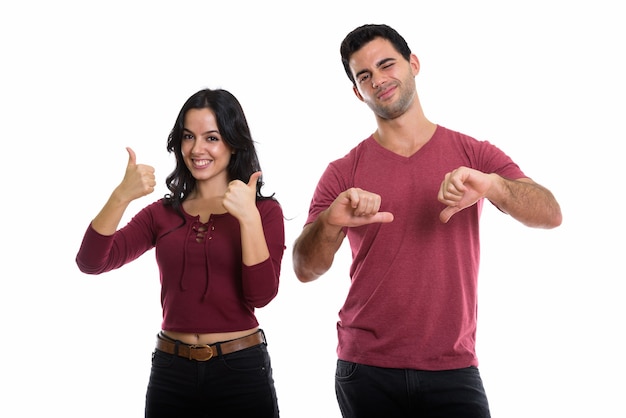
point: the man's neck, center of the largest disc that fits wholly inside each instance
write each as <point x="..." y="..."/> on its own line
<point x="404" y="135"/>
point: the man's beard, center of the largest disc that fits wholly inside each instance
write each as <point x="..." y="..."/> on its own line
<point x="395" y="109"/>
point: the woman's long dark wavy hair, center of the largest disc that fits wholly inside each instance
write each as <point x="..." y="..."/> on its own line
<point x="234" y="129"/>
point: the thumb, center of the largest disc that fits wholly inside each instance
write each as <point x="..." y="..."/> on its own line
<point x="446" y="213"/>
<point x="132" y="158"/>
<point x="254" y="177"/>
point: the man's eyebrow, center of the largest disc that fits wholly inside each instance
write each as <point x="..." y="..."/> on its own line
<point x="378" y="65"/>
<point x="383" y="62"/>
<point x="357" y="75"/>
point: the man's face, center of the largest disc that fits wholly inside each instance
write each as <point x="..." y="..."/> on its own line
<point x="385" y="81"/>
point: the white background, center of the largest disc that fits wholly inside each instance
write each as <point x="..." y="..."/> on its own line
<point x="543" y="80"/>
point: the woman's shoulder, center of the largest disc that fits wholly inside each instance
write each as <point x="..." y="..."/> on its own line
<point x="161" y="208"/>
<point x="268" y="204"/>
<point x="158" y="205"/>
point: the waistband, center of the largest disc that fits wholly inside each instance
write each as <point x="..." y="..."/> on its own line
<point x="204" y="352"/>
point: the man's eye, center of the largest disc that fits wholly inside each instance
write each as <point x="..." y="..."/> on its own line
<point x="364" y="78"/>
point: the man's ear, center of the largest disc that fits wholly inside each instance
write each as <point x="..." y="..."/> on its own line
<point x="356" y="92"/>
<point x="415" y="64"/>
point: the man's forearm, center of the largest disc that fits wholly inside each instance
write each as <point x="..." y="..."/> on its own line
<point x="314" y="250"/>
<point x="529" y="203"/>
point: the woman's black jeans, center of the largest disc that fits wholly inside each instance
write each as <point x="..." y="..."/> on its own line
<point x="238" y="384"/>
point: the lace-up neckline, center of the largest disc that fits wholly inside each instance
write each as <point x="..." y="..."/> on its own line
<point x="200" y="231"/>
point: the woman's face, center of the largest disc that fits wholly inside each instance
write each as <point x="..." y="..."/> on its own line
<point x="204" y="151"/>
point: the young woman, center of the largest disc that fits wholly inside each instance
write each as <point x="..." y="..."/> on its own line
<point x="219" y="244"/>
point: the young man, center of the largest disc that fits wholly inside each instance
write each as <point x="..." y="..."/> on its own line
<point x="409" y="199"/>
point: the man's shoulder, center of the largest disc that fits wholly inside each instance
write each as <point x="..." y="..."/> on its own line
<point x="355" y="151"/>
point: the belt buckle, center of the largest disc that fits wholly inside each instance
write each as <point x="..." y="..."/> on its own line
<point x="198" y="347"/>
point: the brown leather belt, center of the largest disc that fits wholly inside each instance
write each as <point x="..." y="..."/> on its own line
<point x="204" y="352"/>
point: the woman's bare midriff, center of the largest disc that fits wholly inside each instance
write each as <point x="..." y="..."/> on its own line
<point x="211" y="338"/>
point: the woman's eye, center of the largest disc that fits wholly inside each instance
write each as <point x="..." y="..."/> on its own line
<point x="187" y="136"/>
